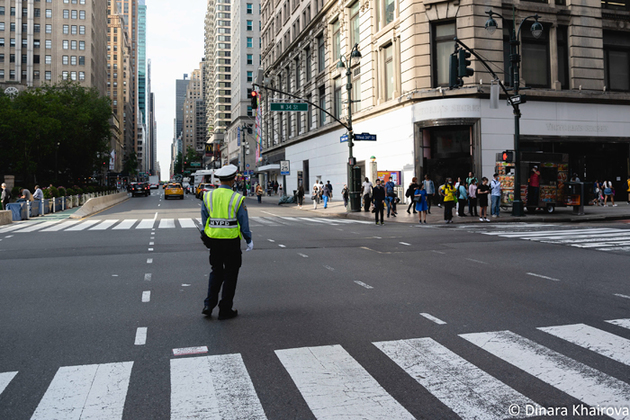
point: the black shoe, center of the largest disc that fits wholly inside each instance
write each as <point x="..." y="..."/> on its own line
<point x="207" y="311"/>
<point x="228" y="314"/>
<point x="408" y="212"/>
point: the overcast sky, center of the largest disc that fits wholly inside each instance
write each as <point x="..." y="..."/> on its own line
<point x="175" y="48"/>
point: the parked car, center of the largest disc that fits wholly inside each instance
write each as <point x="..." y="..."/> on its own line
<point x="203" y="188"/>
<point x="174" y="190"/>
<point x="139" y="188"/>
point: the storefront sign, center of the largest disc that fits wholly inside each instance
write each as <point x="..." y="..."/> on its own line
<point x="285" y="167"/>
<point x="384" y="176"/>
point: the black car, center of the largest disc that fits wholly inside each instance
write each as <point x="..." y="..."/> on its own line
<point x="139" y="188"/>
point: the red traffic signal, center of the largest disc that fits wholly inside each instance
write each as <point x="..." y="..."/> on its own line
<point x="508" y="156"/>
<point x="254" y="96"/>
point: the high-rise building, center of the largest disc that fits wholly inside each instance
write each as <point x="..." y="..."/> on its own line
<point x="194" y="127"/>
<point x="45" y="42"/>
<point x="181" y="85"/>
<point x="142" y="59"/>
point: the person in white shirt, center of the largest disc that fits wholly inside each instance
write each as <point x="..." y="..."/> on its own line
<point x="316" y="192"/>
<point x="366" y="193"/>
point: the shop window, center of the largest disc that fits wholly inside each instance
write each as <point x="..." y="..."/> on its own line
<point x="617" y="60"/>
<point x="443" y="34"/>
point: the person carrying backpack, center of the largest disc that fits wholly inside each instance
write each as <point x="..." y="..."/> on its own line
<point x="410" y="193"/>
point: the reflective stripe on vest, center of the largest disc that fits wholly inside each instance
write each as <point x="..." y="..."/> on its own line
<point x="222" y="205"/>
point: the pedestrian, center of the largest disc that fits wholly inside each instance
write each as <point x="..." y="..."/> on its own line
<point x="533" y="189"/>
<point x="482" y="193"/>
<point x="628" y="182"/>
<point x="366" y="193"/>
<point x="448" y="192"/>
<point x="429" y="187"/>
<point x="330" y="188"/>
<point x="5" y="197"/>
<point x="225" y="220"/>
<point x="25" y="195"/>
<point x="344" y="194"/>
<point x="462" y="199"/>
<point x="378" y="199"/>
<point x="326" y="195"/>
<point x="391" y="196"/>
<point x="39" y="194"/>
<point x="280" y="190"/>
<point x="575" y="178"/>
<point x="413" y="186"/>
<point x="315" y="195"/>
<point x="597" y="193"/>
<point x="470" y="179"/>
<point x="472" y="197"/>
<point x="300" y="196"/>
<point x="609" y="191"/>
<point x="495" y="195"/>
<point x="420" y="200"/>
<point x="259" y="192"/>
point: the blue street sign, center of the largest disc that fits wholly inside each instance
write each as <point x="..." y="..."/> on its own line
<point x="365" y="137"/>
<point x="343" y="138"/>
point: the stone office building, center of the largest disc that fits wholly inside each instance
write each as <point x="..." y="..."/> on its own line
<point x="575" y="75"/>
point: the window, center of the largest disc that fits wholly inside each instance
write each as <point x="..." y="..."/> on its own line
<point x="48" y="75"/>
<point x="384" y="13"/>
<point x="64" y="60"/>
<point x="64" y="75"/>
<point x="322" y="105"/>
<point x="48" y="13"/>
<point x="73" y="60"/>
<point x="250" y="76"/>
<point x="443" y="34"/>
<point x="250" y="9"/>
<point x="36" y="28"/>
<point x="1" y="26"/>
<point x="309" y="63"/>
<point x="336" y="40"/>
<point x="1" y="74"/>
<point x="1" y="10"/>
<point x="73" y="44"/>
<point x="616" y="61"/>
<point x="250" y="42"/>
<point x="354" y="25"/>
<point x="321" y="53"/>
<point x="297" y="72"/>
<point x="356" y="90"/>
<point x="563" y="57"/>
<point x="82" y="60"/>
<point x="535" y="66"/>
<point x="81" y="30"/>
<point x="13" y="11"/>
<point x="388" y="72"/>
<point x="1" y="58"/>
<point x="12" y="42"/>
<point x="73" y="75"/>
<point x="48" y="59"/>
<point x="48" y="44"/>
<point x="337" y="98"/>
<point x="82" y="14"/>
<point x="250" y="59"/>
<point x="74" y="14"/>
<point x="48" y="29"/>
<point x="1" y="42"/>
<point x="66" y="14"/>
<point x="73" y="29"/>
<point x="81" y="45"/>
<point x="66" y="44"/>
<point x="66" y="29"/>
<point x="36" y="43"/>
<point x="37" y="12"/>
<point x="81" y="75"/>
<point x="250" y="25"/>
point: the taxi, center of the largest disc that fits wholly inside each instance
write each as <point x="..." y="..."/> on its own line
<point x="204" y="188"/>
<point x="173" y="190"/>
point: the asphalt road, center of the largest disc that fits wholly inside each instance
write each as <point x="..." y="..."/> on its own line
<point x="337" y="319"/>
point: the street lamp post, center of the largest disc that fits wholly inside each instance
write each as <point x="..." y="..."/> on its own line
<point x="515" y="60"/>
<point x="348" y="63"/>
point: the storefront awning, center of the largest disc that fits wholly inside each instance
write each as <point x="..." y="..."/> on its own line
<point x="269" y="168"/>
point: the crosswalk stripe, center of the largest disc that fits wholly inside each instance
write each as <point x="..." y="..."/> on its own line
<point x="60" y="226"/>
<point x="146" y="224"/>
<point x="166" y="224"/>
<point x="467" y="390"/>
<point x="313" y="219"/>
<point x="32" y="227"/>
<point x="86" y="392"/>
<point x="625" y="323"/>
<point x="106" y="224"/>
<point x="5" y="379"/>
<point x="553" y="232"/>
<point x="599" y="341"/>
<point x="125" y="224"/>
<point x="83" y="226"/>
<point x="186" y="223"/>
<point x="570" y="376"/>
<point x="264" y="221"/>
<point x="602" y="244"/>
<point x="597" y="238"/>
<point x="213" y="387"/>
<point x="334" y="385"/>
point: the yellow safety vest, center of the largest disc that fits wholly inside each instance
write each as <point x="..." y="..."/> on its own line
<point x="222" y="205"/>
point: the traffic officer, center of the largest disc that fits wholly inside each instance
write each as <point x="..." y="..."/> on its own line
<point x="225" y="221"/>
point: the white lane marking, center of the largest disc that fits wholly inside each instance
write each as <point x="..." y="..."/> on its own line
<point x="324" y="221"/>
<point x="432" y="318"/>
<point x="327" y="267"/>
<point x="106" y="224"/>
<point x="477" y="261"/>
<point x="159" y="205"/>
<point x="146" y="296"/>
<point x="186" y="223"/>
<point x="336" y="386"/>
<point x="146" y="224"/>
<point x="8" y="237"/>
<point x="155" y="216"/>
<point x="32" y="227"/>
<point x="150" y="249"/>
<point x="624" y="323"/>
<point x="271" y="240"/>
<point x="404" y="243"/>
<point x="5" y="379"/>
<point x="141" y="336"/>
<point x="151" y="243"/>
<point x="185" y="351"/>
<point x="542" y="277"/>
<point x="282" y="246"/>
<point x="599" y="341"/>
<point x="439" y="252"/>
<point x="570" y="376"/>
<point x="467" y="390"/>
<point x="377" y="237"/>
<point x="147" y="276"/>
<point x="60" y="226"/>
<point x="360" y="283"/>
<point x="622" y="296"/>
<point x="125" y="224"/>
<point x="303" y="255"/>
<point x="114" y="275"/>
<point x="167" y="224"/>
<point x="185" y="285"/>
<point x="82" y="226"/>
<point x="271" y="214"/>
<point x="86" y="392"/>
<point x="213" y="387"/>
<point x="12" y="227"/>
<point x="552" y="232"/>
<point x="149" y="260"/>
<point x="264" y="221"/>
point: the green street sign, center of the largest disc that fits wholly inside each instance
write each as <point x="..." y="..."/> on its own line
<point x="297" y="106"/>
<point x="195" y="164"/>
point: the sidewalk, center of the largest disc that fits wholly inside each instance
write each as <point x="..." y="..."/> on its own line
<point x="561" y="214"/>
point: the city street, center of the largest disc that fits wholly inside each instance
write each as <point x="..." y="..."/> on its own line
<point x="338" y="318"/>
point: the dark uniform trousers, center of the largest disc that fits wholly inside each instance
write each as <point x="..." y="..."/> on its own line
<point x="225" y="261"/>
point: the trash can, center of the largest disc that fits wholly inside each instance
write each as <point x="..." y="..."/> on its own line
<point x="576" y="197"/>
<point x="16" y="211"/>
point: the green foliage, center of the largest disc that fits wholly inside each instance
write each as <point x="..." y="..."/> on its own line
<point x="177" y="168"/>
<point x="62" y="192"/>
<point x="130" y="164"/>
<point x="54" y="192"/>
<point x="58" y="128"/>
<point x="70" y="191"/>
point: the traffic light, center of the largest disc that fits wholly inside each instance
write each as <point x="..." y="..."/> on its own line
<point x="453" y="81"/>
<point x="254" y="96"/>
<point x="463" y="62"/>
<point x="508" y="156"/>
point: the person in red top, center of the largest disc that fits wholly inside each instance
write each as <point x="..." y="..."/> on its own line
<point x="534" y="187"/>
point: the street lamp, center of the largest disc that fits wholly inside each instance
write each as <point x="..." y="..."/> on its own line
<point x="515" y="60"/>
<point x="348" y="63"/>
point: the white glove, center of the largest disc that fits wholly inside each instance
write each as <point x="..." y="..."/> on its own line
<point x="250" y="246"/>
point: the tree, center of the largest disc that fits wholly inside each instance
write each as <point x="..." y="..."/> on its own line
<point x="130" y="165"/>
<point x="177" y="167"/>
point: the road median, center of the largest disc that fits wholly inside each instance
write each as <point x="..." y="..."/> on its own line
<point x="96" y="204"/>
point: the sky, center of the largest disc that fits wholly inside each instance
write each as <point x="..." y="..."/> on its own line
<point x="175" y="48"/>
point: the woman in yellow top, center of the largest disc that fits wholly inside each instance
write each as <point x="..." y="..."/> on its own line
<point x="628" y="190"/>
<point x="448" y="192"/>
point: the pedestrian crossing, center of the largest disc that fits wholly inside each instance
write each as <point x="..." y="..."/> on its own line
<point x="335" y="385"/>
<point x="166" y="223"/>
<point x="599" y="239"/>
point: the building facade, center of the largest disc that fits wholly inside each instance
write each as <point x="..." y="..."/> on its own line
<point x="46" y="42"/>
<point x="194" y="128"/>
<point x="578" y="92"/>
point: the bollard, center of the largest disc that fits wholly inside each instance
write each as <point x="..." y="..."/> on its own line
<point x="28" y="209"/>
<point x="41" y="207"/>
